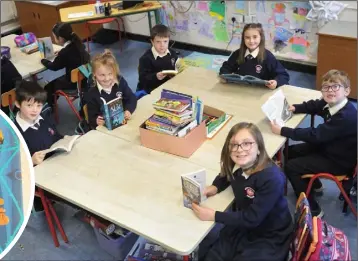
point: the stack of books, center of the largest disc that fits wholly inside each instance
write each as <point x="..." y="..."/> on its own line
<point x="175" y="114"/>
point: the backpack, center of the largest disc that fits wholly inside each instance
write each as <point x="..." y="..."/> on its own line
<point x="332" y="243"/>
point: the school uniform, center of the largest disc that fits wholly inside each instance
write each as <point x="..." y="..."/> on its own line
<point x="150" y="64"/>
<point x="261" y="227"/>
<point x="270" y="69"/>
<point x="96" y="92"/>
<point x="330" y="147"/>
<point x="68" y="58"/>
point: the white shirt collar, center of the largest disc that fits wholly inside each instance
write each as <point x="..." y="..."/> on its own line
<point x="156" y="54"/>
<point x="25" y="125"/>
<point x="335" y="108"/>
<point x="254" y="53"/>
<point x="66" y="43"/>
<point x="100" y="88"/>
<point x="236" y="167"/>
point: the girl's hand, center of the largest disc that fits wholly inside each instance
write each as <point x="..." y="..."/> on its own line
<point x="210" y="191"/>
<point x="272" y="84"/>
<point x="161" y="76"/>
<point x="127" y="115"/>
<point x="203" y="213"/>
<point x="292" y="108"/>
<point x="38" y="157"/>
<point x="100" y="121"/>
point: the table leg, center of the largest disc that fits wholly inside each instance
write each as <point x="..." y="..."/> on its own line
<point x="149" y="22"/>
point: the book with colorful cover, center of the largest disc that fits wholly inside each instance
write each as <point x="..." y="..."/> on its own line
<point x="193" y="185"/>
<point x="172" y="95"/>
<point x="154" y="124"/>
<point x="46" y="48"/>
<point x="171" y="105"/>
<point x="113" y="113"/>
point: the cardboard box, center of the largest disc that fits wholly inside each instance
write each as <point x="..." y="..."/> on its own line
<point x="214" y="112"/>
<point x="184" y="146"/>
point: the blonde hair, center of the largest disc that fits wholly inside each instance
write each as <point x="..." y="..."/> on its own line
<point x="243" y="47"/>
<point x="105" y="59"/>
<point x="337" y="76"/>
<point x="227" y="163"/>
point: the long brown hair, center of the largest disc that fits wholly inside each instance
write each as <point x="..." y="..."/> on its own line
<point x="262" y="160"/>
<point x="243" y="48"/>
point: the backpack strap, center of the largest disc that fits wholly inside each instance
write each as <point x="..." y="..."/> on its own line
<point x="86" y="70"/>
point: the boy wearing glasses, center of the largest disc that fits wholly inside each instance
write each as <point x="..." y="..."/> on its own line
<point x="330" y="147"/>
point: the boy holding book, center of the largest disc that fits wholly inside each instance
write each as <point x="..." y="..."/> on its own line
<point x="331" y="147"/>
<point x="156" y="60"/>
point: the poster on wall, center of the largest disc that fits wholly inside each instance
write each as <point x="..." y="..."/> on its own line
<point x="299" y="13"/>
<point x="217" y="9"/>
<point x="240" y="7"/>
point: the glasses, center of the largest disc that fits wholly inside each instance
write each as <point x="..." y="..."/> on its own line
<point x="245" y="146"/>
<point x="334" y="87"/>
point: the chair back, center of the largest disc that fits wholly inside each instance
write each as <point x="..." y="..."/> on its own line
<point x="8" y="100"/>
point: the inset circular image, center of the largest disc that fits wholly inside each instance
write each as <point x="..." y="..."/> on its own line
<point x="17" y="184"/>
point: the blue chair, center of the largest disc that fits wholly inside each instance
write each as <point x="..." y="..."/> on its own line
<point x="140" y="94"/>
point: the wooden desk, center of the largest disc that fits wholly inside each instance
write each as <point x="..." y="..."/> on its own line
<point x="27" y="64"/>
<point x="244" y="103"/>
<point x="337" y="49"/>
<point x="131" y="186"/>
<point x="147" y="7"/>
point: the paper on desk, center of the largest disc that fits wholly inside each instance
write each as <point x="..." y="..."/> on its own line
<point x="276" y="108"/>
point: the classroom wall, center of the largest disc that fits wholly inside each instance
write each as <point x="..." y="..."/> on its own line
<point x="8" y="16"/>
<point x="201" y="27"/>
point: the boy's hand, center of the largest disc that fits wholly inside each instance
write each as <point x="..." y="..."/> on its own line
<point x="275" y="128"/>
<point x="292" y="108"/>
<point x="38" y="157"/>
<point x="160" y="76"/>
<point x="127" y="115"/>
<point x="272" y="84"/>
<point x="203" y="213"/>
<point x="210" y="191"/>
<point x="100" y="121"/>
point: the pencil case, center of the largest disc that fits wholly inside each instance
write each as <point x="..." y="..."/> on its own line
<point x="5" y="52"/>
<point x="25" y="39"/>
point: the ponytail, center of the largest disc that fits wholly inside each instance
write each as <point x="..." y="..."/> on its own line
<point x="85" y="57"/>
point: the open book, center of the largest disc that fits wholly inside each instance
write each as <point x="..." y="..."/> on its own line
<point x="247" y="79"/>
<point x="46" y="48"/>
<point x="276" y="108"/>
<point x="193" y="185"/>
<point x="64" y="144"/>
<point x="113" y="113"/>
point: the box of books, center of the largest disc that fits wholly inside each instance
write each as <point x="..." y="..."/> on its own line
<point x="182" y="146"/>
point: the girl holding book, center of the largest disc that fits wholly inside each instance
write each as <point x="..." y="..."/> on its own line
<point x="254" y="59"/>
<point x="71" y="56"/>
<point x="261" y="226"/>
<point x="107" y="84"/>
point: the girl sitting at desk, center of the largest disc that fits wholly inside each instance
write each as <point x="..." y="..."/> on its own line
<point x="261" y="226"/>
<point x="253" y="59"/>
<point x="71" y="56"/>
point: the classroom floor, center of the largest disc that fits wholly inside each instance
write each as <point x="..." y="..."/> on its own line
<point x="36" y="242"/>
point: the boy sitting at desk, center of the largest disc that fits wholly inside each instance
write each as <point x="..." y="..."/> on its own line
<point x="331" y="147"/>
<point x="39" y="133"/>
<point x="156" y="60"/>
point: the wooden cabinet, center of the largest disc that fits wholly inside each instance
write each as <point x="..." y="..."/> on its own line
<point x="337" y="49"/>
<point x="39" y="17"/>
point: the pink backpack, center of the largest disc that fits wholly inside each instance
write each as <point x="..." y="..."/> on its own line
<point x="332" y="244"/>
<point x="25" y="39"/>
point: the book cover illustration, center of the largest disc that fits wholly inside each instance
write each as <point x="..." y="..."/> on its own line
<point x="193" y="185"/>
<point x="46" y="48"/>
<point x="276" y="108"/>
<point x="172" y="95"/>
<point x="171" y="105"/>
<point x="113" y="113"/>
<point x="243" y="79"/>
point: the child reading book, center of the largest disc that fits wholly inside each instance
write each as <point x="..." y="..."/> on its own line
<point x="253" y="59"/>
<point x="159" y="63"/>
<point x="72" y="55"/>
<point x="107" y="84"/>
<point x="261" y="226"/>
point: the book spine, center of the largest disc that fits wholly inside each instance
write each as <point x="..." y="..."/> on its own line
<point x="107" y="117"/>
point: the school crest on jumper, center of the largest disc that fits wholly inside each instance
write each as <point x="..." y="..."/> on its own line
<point x="51" y="131"/>
<point x="258" y="68"/>
<point x="173" y="61"/>
<point x="119" y="94"/>
<point x="250" y="192"/>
